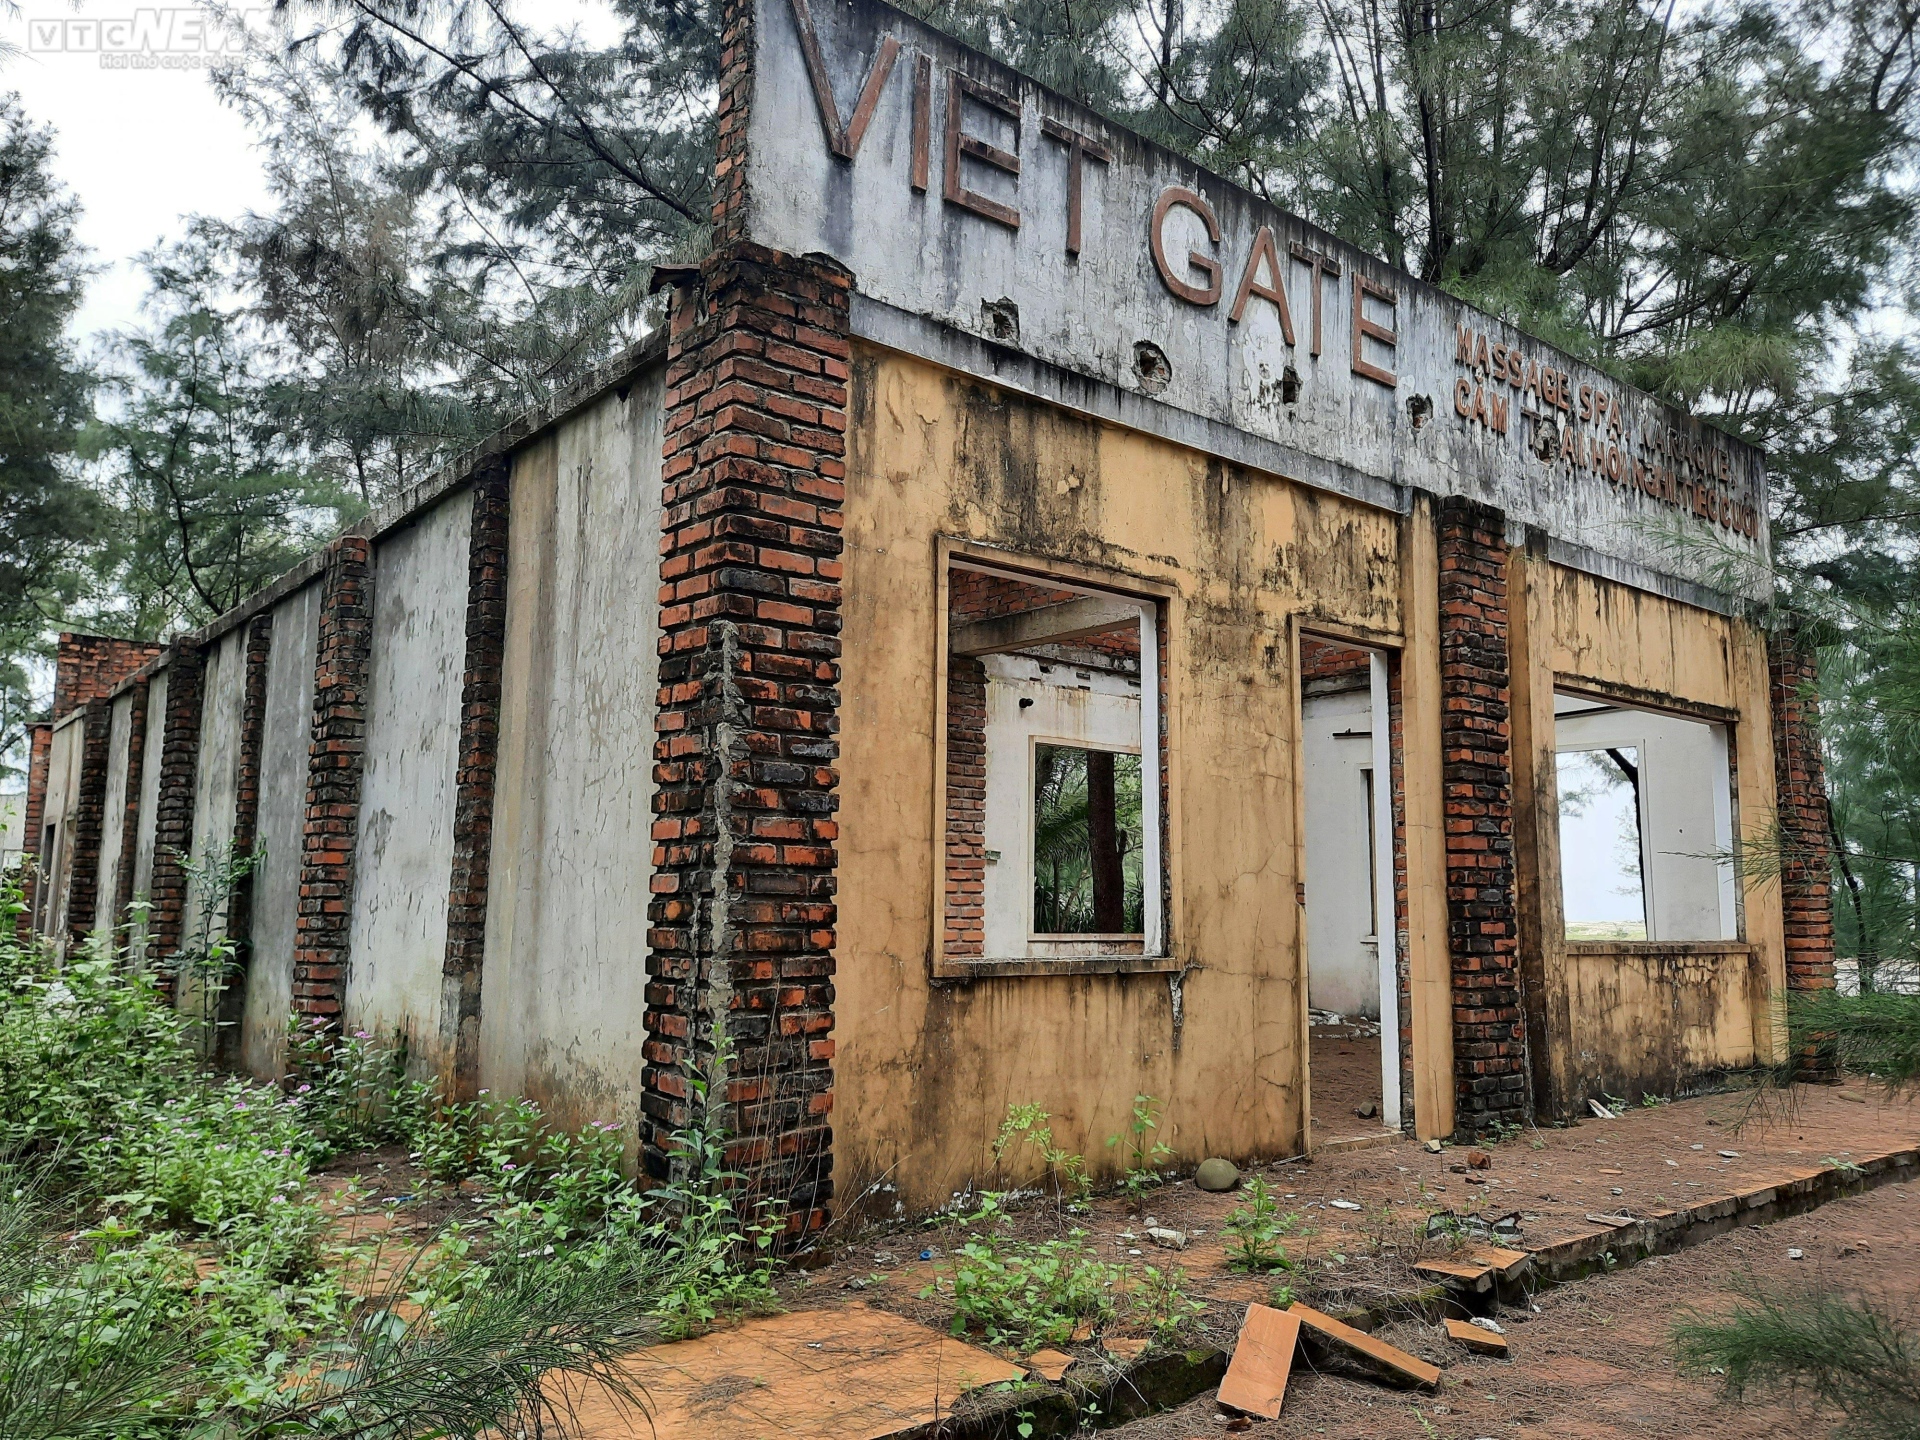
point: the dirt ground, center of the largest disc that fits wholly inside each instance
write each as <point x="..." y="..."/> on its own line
<point x="1346" y="1080"/>
<point x="1595" y="1363"/>
<point x="1362" y="1214"/>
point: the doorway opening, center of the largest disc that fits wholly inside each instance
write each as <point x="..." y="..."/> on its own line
<point x="1352" y="962"/>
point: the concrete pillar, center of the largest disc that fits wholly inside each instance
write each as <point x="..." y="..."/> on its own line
<point x="246" y="831"/>
<point x="129" y="801"/>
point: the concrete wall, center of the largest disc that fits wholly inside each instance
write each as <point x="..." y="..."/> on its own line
<point x="217" y="773"/>
<point x="925" y="1073"/>
<point x="399" y="930"/>
<point x="63" y="791"/>
<point x="283" y="794"/>
<point x="149" y="806"/>
<point x="1663" y="1019"/>
<point x="565" y="969"/>
<point x="113" y="848"/>
<point x="1343" y="965"/>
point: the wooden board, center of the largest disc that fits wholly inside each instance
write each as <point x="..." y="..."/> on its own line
<point x="1049" y="1364"/>
<point x="1481" y="1342"/>
<point x="1256" y="1381"/>
<point x="1389" y="1357"/>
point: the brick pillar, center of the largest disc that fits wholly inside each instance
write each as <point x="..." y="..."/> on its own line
<point x="966" y="839"/>
<point x="173" y="809"/>
<point x="89" y="820"/>
<point x="246" y="832"/>
<point x="474" y="781"/>
<point x="336" y="762"/>
<point x="1489" y="1025"/>
<point x="39" y="755"/>
<point x="129" y="801"/>
<point x="742" y="918"/>
<point x="89" y="666"/>
<point x="1800" y="793"/>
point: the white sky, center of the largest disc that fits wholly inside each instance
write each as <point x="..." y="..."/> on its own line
<point x="140" y="148"/>
<point x="144" y="147"/>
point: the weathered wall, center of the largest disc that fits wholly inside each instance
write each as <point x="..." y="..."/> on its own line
<point x="398" y="938"/>
<point x="143" y="838"/>
<point x="114" y="817"/>
<point x="63" y="790"/>
<point x="1633" y="646"/>
<point x="217" y="776"/>
<point x="1343" y="967"/>
<point x="283" y="797"/>
<point x="1662" y="1019"/>
<point x="565" y="970"/>
<point x="925" y="1073"/>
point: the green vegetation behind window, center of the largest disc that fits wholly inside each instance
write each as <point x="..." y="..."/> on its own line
<point x="1086" y="842"/>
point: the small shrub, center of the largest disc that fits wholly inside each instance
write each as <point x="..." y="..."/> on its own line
<point x="1145" y="1156"/>
<point x="354" y="1088"/>
<point x="1257" y="1228"/>
<point x="1158" y="1299"/>
<point x="1027" y="1293"/>
<point x="1031" y="1126"/>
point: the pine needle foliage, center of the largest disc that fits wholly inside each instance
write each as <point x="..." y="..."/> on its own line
<point x="1849" y="1354"/>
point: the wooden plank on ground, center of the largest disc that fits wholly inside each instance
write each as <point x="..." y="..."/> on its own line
<point x="1391" y="1358"/>
<point x="1256" y="1381"/>
<point x="1481" y="1342"/>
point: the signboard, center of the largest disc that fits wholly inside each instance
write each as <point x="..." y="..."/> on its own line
<point x="962" y="194"/>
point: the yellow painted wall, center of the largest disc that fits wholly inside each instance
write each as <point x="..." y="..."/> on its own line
<point x="925" y="1072"/>
<point x="1641" y="646"/>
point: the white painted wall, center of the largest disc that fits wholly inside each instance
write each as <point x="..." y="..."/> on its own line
<point x="1686" y="819"/>
<point x="398" y="937"/>
<point x="56" y="864"/>
<point x="285" y="732"/>
<point x="1070" y="706"/>
<point x="113" y="826"/>
<point x="1342" y="957"/>
<point x="564" y="978"/>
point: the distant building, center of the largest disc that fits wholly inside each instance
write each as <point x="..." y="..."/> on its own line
<point x="1044" y="625"/>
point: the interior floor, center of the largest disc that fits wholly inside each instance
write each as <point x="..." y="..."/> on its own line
<point x="1345" y="1080"/>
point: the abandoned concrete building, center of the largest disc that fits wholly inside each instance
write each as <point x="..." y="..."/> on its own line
<point x="1038" y="624"/>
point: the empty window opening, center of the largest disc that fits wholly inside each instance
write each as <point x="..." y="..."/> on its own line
<point x="1053" y="770"/>
<point x="1353" y="982"/>
<point x="1086" y="842"/>
<point x="1646" y="824"/>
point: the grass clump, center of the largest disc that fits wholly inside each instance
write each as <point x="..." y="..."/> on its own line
<point x="1257" y="1228"/>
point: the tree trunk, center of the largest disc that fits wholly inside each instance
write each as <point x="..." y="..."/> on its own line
<point x="1103" y="839"/>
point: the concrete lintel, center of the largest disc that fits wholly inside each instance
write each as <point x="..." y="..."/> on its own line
<point x="1048" y="625"/>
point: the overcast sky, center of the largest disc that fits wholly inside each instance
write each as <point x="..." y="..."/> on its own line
<point x="145" y="143"/>
<point x="140" y="147"/>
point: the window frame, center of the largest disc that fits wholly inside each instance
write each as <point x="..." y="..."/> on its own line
<point x="1157" y="601"/>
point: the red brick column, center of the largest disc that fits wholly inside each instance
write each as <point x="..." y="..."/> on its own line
<point x="89" y="820"/>
<point x="1489" y="1023"/>
<point x="89" y="666"/>
<point x="130" y="800"/>
<point x="742" y="918"/>
<point x="474" y="781"/>
<point x="173" y="809"/>
<point x="966" y="838"/>
<point x="336" y="762"/>
<point x="39" y="755"/>
<point x="1800" y="793"/>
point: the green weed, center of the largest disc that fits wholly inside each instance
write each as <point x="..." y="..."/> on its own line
<point x="1146" y="1152"/>
<point x="1031" y="1126"/>
<point x="1257" y="1227"/>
